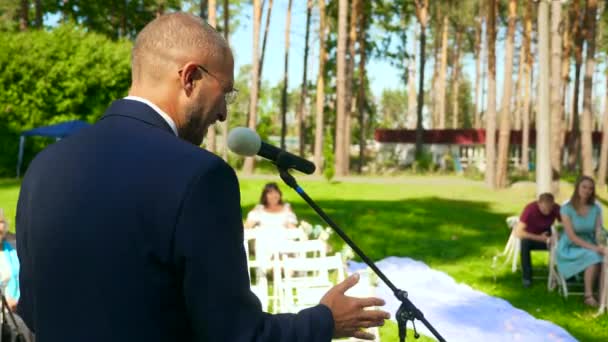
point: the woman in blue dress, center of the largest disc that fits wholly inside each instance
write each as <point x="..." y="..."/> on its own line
<point x="577" y="249"/>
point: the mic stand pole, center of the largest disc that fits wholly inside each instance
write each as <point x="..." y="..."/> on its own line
<point x="407" y="311"/>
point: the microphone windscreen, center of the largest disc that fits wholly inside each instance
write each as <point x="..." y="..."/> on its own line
<point x="244" y="141"/>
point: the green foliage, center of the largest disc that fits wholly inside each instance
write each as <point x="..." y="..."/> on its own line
<point x="328" y="155"/>
<point x="448" y="162"/>
<point x="392" y="19"/>
<point x="466" y="107"/>
<point x="8" y="14"/>
<point x="473" y="173"/>
<point x="424" y="163"/>
<point x="393" y="108"/>
<point x="113" y="18"/>
<point x="53" y="76"/>
<point x="603" y="32"/>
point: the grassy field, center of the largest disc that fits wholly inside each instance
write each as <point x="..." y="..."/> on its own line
<point x="452" y="224"/>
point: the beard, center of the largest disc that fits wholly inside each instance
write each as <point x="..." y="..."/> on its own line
<point x="193" y="130"/>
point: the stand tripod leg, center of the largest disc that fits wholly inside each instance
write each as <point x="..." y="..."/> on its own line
<point x="402" y="332"/>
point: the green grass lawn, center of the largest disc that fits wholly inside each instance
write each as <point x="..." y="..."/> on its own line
<point x="452" y="224"/>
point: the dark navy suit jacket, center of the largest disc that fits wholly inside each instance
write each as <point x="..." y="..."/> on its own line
<point x="127" y="233"/>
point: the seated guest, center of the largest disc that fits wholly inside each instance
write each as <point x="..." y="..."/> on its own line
<point x="271" y="212"/>
<point x="9" y="266"/>
<point x="577" y="249"/>
<point x="534" y="229"/>
<point x="274" y="219"/>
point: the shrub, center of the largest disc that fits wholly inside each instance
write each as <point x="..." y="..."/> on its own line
<point x="53" y="76"/>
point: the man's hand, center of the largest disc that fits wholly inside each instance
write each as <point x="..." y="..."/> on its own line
<point x="349" y="313"/>
<point x="546" y="238"/>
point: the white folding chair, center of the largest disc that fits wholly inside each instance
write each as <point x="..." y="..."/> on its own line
<point x="512" y="248"/>
<point x="260" y="286"/>
<point x="555" y="278"/>
<point x="308" y="279"/>
<point x="604" y="290"/>
<point x="292" y="249"/>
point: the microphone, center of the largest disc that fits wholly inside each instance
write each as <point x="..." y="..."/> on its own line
<point x="246" y="142"/>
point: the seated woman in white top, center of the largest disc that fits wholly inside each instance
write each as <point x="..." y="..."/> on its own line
<point x="271" y="212"/>
<point x="274" y="223"/>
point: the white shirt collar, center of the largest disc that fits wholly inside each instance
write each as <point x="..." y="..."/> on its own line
<point x="158" y="110"/>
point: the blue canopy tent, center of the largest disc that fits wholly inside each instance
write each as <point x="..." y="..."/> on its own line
<point x="57" y="131"/>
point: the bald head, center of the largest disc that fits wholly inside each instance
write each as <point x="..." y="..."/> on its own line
<point x="184" y="67"/>
<point x="170" y="40"/>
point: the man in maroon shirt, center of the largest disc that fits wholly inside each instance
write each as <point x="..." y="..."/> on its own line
<point x="534" y="229"/>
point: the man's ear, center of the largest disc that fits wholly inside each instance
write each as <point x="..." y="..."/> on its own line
<point x="188" y="77"/>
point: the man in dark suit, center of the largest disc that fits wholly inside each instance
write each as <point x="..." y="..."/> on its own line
<point x="128" y="231"/>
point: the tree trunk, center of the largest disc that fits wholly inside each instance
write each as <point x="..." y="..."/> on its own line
<point x="361" y="97"/>
<point x="543" y="122"/>
<point x="411" y="93"/>
<point x="587" y="119"/>
<point x="212" y="20"/>
<point x="435" y="80"/>
<point x="203" y="8"/>
<point x="341" y="88"/>
<point x="267" y="25"/>
<point x="304" y="90"/>
<point x="350" y="72"/>
<point x="123" y="21"/>
<point x="442" y="73"/>
<point x="577" y="34"/>
<point x="478" y="58"/>
<point x="226" y="20"/>
<point x="285" y="78"/>
<point x="490" y="175"/>
<point x="502" y="168"/>
<point x="253" y="96"/>
<point x="347" y="135"/>
<point x="456" y="78"/>
<point x="422" y="7"/>
<point x="601" y="177"/>
<point x="518" y="87"/>
<point x="483" y="107"/>
<point x="24" y="15"/>
<point x="565" y="74"/>
<point x="225" y="124"/>
<point x="574" y="142"/>
<point x="556" y="92"/>
<point x="318" y="158"/>
<point x="39" y="13"/>
<point x="527" y="83"/>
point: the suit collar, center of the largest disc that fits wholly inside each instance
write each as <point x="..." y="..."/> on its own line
<point x="138" y="111"/>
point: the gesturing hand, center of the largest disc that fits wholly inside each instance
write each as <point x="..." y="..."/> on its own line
<point x="349" y="313"/>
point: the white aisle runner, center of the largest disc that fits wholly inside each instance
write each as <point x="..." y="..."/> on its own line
<point x="457" y="311"/>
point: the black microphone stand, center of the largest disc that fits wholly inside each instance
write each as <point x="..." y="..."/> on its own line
<point x="407" y="311"/>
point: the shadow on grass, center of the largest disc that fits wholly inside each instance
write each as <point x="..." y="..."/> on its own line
<point x="429" y="229"/>
<point x="460" y="238"/>
<point x="7" y="183"/>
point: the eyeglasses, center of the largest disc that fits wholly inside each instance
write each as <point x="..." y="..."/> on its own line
<point x="230" y="96"/>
